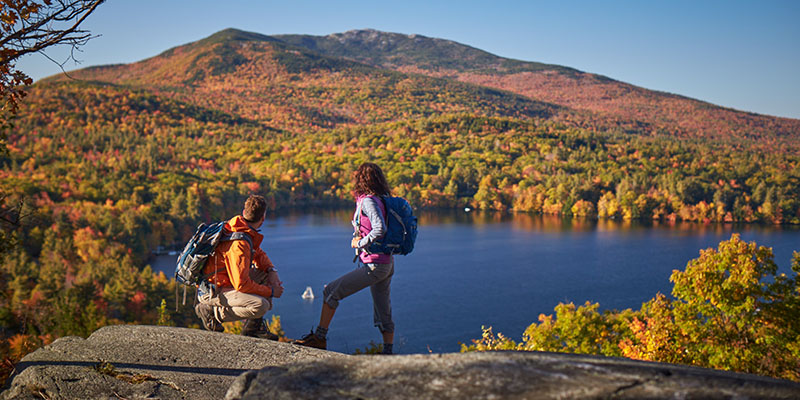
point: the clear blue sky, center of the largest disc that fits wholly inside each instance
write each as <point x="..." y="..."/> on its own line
<point x="739" y="54"/>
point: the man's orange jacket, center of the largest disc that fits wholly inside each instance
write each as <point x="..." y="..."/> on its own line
<point x="230" y="264"/>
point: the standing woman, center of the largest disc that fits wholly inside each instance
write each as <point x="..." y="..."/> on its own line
<point x="373" y="270"/>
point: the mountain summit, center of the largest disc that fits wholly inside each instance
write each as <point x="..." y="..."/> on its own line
<point x="395" y="50"/>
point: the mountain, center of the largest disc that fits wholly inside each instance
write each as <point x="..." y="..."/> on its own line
<point x="277" y="84"/>
<point x="612" y="102"/>
<point x="297" y="82"/>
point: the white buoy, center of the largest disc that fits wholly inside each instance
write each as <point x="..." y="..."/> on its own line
<point x="467" y="209"/>
<point x="308" y="294"/>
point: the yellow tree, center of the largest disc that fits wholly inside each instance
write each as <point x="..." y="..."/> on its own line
<point x="28" y="26"/>
<point x="732" y="311"/>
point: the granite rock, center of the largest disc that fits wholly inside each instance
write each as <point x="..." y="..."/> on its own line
<point x="500" y="375"/>
<point x="135" y="361"/>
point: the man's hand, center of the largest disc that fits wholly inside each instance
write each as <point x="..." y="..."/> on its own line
<point x="354" y="242"/>
<point x="277" y="291"/>
<point x="272" y="277"/>
<point x="275" y="283"/>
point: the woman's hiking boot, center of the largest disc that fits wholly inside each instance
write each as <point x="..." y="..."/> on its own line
<point x="206" y="314"/>
<point x="312" y="340"/>
<point x="257" y="328"/>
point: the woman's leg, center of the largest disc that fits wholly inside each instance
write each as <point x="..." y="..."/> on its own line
<point x="382" y="303"/>
<point x="335" y="291"/>
<point x="326" y="315"/>
<point x="388" y="337"/>
<point x="347" y="284"/>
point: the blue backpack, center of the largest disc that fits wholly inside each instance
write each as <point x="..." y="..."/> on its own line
<point x="194" y="257"/>
<point x="200" y="248"/>
<point x="401" y="227"/>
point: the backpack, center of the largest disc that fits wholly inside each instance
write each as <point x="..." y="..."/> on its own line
<point x="401" y="227"/>
<point x="194" y="257"/>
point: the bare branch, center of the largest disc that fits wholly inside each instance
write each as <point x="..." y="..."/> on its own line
<point x="61" y="64"/>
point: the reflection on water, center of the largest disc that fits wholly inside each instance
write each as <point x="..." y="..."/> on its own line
<point x="470" y="269"/>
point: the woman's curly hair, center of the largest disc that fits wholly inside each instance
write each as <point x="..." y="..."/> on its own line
<point x="370" y="180"/>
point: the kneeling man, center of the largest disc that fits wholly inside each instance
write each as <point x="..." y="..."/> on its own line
<point x="244" y="278"/>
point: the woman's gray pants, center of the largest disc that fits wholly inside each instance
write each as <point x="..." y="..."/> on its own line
<point x="379" y="278"/>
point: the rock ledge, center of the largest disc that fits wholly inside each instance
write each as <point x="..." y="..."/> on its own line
<point x="136" y="361"/>
<point x="501" y="375"/>
<point x="133" y="362"/>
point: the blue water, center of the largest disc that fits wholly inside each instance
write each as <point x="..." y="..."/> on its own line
<point x="473" y="269"/>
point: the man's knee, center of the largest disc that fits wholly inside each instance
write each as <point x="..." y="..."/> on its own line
<point x="262" y="308"/>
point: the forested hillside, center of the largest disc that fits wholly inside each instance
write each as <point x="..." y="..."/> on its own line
<point x="111" y="163"/>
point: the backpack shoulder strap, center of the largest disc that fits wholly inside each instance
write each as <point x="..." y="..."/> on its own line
<point x="375" y="199"/>
<point x="240" y="236"/>
<point x="385" y="205"/>
<point x="359" y="211"/>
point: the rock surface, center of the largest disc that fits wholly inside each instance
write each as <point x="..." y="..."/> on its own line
<point x="135" y="362"/>
<point x="148" y="362"/>
<point x="500" y="375"/>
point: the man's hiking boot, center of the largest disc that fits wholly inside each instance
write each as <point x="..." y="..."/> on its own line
<point x="206" y="314"/>
<point x="256" y="327"/>
<point x="312" y="340"/>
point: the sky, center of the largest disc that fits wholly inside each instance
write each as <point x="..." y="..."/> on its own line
<point x="739" y="54"/>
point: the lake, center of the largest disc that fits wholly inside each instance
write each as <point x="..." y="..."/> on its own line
<point x="480" y="268"/>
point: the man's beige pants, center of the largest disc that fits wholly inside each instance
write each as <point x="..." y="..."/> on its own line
<point x="231" y="305"/>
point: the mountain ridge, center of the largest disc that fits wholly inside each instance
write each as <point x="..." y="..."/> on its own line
<point x="564" y="86"/>
<point x="313" y="43"/>
<point x="361" y="41"/>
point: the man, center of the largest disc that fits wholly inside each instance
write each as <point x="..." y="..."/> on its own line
<point x="244" y="277"/>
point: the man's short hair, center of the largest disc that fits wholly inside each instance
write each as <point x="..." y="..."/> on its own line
<point x="254" y="208"/>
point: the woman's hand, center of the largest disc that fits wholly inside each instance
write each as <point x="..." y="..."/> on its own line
<point x="354" y="242"/>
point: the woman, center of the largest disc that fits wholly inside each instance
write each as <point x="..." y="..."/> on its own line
<point x="373" y="270"/>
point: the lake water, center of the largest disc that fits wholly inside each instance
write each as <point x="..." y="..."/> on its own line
<point x="474" y="269"/>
